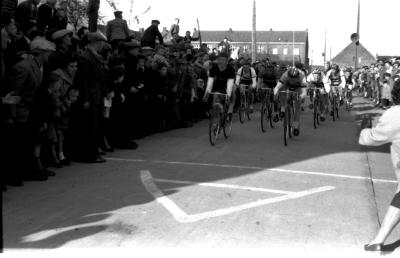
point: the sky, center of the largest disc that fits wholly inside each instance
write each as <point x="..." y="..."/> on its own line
<point x="378" y="32"/>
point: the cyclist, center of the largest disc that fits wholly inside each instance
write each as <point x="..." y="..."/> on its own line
<point x="246" y="76"/>
<point x="221" y="80"/>
<point x="335" y="78"/>
<point x="350" y="82"/>
<point x="294" y="80"/>
<point x="268" y="78"/>
<point x="315" y="79"/>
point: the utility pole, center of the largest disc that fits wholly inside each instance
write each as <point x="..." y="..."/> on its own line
<point x="253" y="34"/>
<point x="293" y="48"/>
<point x="325" y="49"/>
<point x="358" y="33"/>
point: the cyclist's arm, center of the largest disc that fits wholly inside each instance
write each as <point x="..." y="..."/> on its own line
<point x="229" y="87"/>
<point x="278" y="87"/>
<point x="253" y="77"/>
<point x="210" y="83"/>
<point x="238" y="76"/>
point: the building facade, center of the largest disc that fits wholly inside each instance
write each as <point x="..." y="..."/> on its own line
<point x="347" y="57"/>
<point x="8" y="7"/>
<point x="278" y="46"/>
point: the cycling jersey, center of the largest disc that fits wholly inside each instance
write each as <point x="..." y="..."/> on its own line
<point x="246" y="77"/>
<point x="292" y="83"/>
<point x="336" y="79"/>
<point x="314" y="83"/>
<point x="221" y="78"/>
<point x="269" y="76"/>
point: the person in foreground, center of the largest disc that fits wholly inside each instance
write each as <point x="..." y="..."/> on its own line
<point x="387" y="130"/>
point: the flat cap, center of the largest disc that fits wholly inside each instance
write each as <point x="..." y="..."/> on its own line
<point x="95" y="36"/>
<point x="41" y="44"/>
<point x="155" y="21"/>
<point x="60" y="34"/>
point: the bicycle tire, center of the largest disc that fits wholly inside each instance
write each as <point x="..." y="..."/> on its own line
<point x="214" y="126"/>
<point x="271" y="122"/>
<point x="227" y="128"/>
<point x="248" y="107"/>
<point x="263" y="118"/>
<point x="242" y="108"/>
<point x="315" y="113"/>
<point x="333" y="108"/>
<point x="337" y="110"/>
<point x="291" y="115"/>
<point x="285" y="129"/>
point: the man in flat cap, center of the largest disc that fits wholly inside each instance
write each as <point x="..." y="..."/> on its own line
<point x="91" y="80"/>
<point x="25" y="80"/>
<point x="150" y="35"/>
<point x="117" y="30"/>
<point x="63" y="42"/>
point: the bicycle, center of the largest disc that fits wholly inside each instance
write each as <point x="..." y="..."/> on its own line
<point x="289" y="108"/>
<point x="266" y="108"/>
<point x="219" y="118"/>
<point x="244" y="109"/>
<point x="334" y="97"/>
<point x="348" y="97"/>
<point x="315" y="96"/>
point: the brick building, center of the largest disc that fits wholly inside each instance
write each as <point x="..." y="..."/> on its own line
<point x="279" y="46"/>
<point x="8" y="6"/>
<point x="347" y="56"/>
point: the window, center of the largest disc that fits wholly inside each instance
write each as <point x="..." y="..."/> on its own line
<point x="274" y="51"/>
<point x="260" y="48"/>
<point x="296" y="52"/>
<point x="285" y="51"/>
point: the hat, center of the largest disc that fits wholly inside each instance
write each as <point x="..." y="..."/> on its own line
<point x="147" y="48"/>
<point x="41" y="44"/>
<point x="155" y="21"/>
<point x="132" y="44"/>
<point x="60" y="34"/>
<point x="117" y="12"/>
<point x="94" y="37"/>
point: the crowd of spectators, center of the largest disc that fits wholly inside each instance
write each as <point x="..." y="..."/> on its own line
<point x="75" y="95"/>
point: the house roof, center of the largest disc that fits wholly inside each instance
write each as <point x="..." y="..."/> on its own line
<point x="261" y="36"/>
<point x="347" y="56"/>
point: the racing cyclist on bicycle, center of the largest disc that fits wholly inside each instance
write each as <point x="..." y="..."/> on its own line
<point x="350" y="82"/>
<point x="335" y="78"/>
<point x="221" y="80"/>
<point x="246" y="76"/>
<point x="268" y="78"/>
<point x="315" y="79"/>
<point x="294" y="80"/>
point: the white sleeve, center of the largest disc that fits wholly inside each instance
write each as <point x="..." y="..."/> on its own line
<point x="210" y="83"/>
<point x="239" y="72"/>
<point x="229" y="87"/>
<point x="385" y="131"/>
<point x="254" y="77"/>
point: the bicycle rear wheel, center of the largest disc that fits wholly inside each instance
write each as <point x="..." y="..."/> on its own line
<point x="214" y="126"/>
<point x="271" y="122"/>
<point x="264" y="117"/>
<point x="316" y="107"/>
<point x="242" y="108"/>
<point x="227" y="127"/>
<point x="286" y="128"/>
<point x="336" y="110"/>
<point x="333" y="107"/>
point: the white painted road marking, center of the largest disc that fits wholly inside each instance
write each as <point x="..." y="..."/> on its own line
<point x="279" y="170"/>
<point x="183" y="217"/>
<point x="254" y="189"/>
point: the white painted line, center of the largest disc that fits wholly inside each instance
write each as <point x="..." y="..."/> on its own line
<point x="257" y="168"/>
<point x="182" y="217"/>
<point x="254" y="189"/>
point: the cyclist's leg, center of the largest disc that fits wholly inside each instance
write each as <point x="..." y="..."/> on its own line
<point x="297" y="107"/>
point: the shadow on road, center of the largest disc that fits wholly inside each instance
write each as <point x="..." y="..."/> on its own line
<point x="104" y="189"/>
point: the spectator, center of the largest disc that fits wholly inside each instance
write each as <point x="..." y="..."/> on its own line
<point x="188" y="39"/>
<point x="225" y="47"/>
<point x="92" y="11"/>
<point x="387" y="131"/>
<point x="46" y="13"/>
<point x="9" y="36"/>
<point x="67" y="96"/>
<point x="150" y="35"/>
<point x="175" y="29"/>
<point x="62" y="39"/>
<point x="91" y="82"/>
<point x="117" y="30"/>
<point x="26" y="11"/>
<point x="59" y="21"/>
<point x="25" y="80"/>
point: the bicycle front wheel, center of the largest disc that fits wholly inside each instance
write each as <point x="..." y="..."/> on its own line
<point x="242" y="108"/>
<point x="333" y="107"/>
<point x="316" y="107"/>
<point x="214" y="127"/>
<point x="227" y="127"/>
<point x="264" y="118"/>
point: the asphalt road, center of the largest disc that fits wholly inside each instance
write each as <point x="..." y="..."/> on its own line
<point x="176" y="192"/>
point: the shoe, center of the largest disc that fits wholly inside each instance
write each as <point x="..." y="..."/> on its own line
<point x="98" y="159"/>
<point x="296" y="131"/>
<point x="229" y="118"/>
<point x="35" y="177"/>
<point x="65" y="162"/>
<point x="373" y="247"/>
<point x="14" y="182"/>
<point x="101" y="153"/>
<point x="341" y="102"/>
<point x="322" y="118"/>
<point x="46" y="172"/>
<point x="56" y="165"/>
